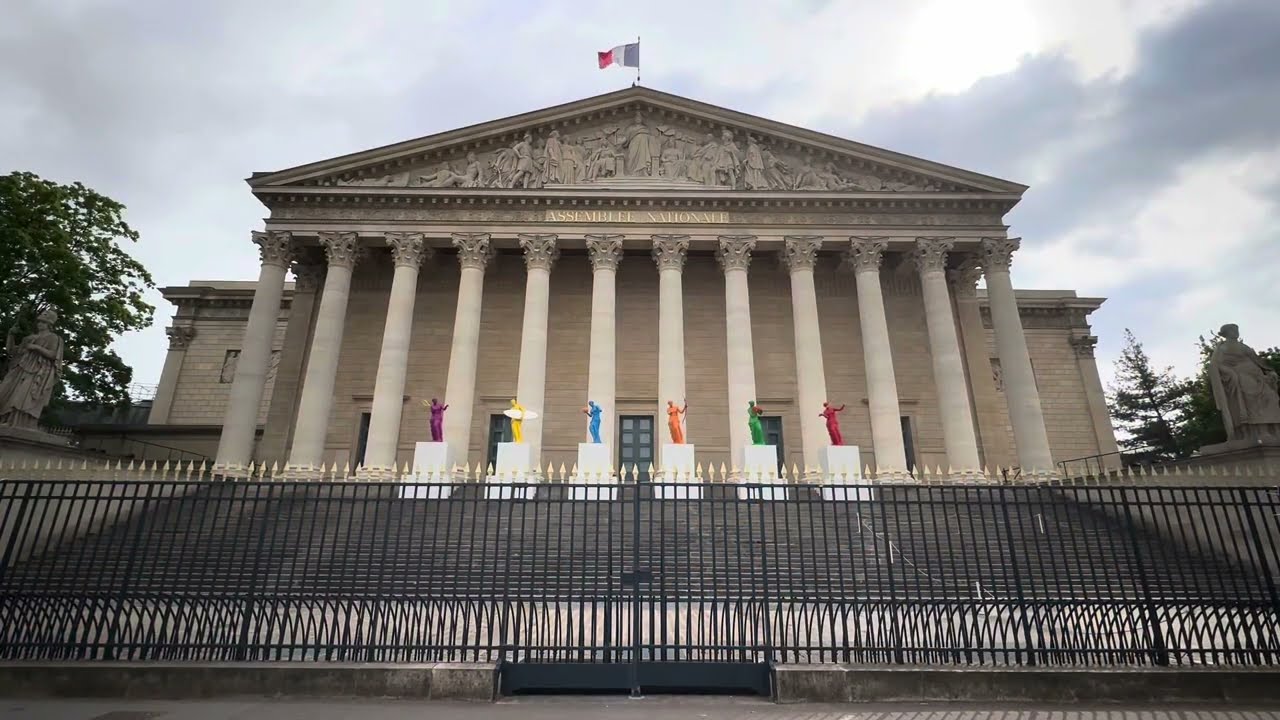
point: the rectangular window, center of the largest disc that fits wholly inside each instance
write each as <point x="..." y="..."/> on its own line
<point x="635" y="445"/>
<point x="362" y="442"/>
<point x="772" y="425"/>
<point x="908" y="444"/>
<point x="499" y="432"/>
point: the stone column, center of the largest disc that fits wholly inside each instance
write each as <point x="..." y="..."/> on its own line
<point x="240" y="421"/>
<point x="669" y="252"/>
<point x="540" y="253"/>
<point x="1103" y="430"/>
<point x="602" y="369"/>
<point x="460" y="387"/>
<point x="801" y="254"/>
<point x="408" y="250"/>
<point x="282" y="415"/>
<point x="865" y="255"/>
<point x="342" y="249"/>
<point x="735" y="257"/>
<point x="988" y="406"/>
<point x="948" y="365"/>
<point x="180" y="337"/>
<point x="1030" y="439"/>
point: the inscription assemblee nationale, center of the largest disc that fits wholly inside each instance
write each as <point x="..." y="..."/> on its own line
<point x="637" y="216"/>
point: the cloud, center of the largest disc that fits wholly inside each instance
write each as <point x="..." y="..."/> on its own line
<point x="1147" y="128"/>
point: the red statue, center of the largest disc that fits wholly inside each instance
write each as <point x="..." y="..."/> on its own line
<point x="833" y="423"/>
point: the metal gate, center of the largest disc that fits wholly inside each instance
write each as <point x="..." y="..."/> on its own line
<point x="673" y="608"/>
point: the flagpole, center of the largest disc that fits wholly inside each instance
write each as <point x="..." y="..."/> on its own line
<point x="637" y="60"/>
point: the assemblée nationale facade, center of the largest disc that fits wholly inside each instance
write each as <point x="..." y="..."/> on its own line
<point x="631" y="249"/>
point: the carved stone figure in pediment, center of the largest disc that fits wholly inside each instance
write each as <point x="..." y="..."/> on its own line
<point x="753" y="177"/>
<point x="592" y="151"/>
<point x="446" y="177"/>
<point x="642" y="149"/>
<point x="728" y="161"/>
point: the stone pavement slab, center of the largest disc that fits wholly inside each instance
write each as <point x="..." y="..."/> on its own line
<point x="594" y="708"/>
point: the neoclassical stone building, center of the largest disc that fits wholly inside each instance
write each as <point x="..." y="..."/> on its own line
<point x="634" y="248"/>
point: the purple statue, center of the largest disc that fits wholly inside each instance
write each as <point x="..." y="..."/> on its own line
<point x="437" y="419"/>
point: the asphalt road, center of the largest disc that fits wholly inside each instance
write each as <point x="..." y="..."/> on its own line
<point x="585" y="708"/>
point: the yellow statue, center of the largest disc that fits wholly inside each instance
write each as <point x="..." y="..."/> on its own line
<point x="517" y="413"/>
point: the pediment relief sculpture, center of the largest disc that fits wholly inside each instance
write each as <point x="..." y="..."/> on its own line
<point x="646" y="149"/>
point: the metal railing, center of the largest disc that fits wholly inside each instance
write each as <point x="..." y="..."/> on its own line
<point x="749" y="573"/>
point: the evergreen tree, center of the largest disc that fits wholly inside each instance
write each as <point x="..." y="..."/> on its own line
<point x="1149" y="406"/>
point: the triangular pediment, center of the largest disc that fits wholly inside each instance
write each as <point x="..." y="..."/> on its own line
<point x="636" y="139"/>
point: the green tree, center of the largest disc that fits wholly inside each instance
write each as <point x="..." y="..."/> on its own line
<point x="1150" y="406"/>
<point x="1203" y="419"/>
<point x="61" y="248"/>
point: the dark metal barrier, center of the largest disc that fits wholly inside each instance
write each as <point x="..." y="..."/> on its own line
<point x="600" y="578"/>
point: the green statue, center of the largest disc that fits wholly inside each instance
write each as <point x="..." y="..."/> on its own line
<point x="753" y="421"/>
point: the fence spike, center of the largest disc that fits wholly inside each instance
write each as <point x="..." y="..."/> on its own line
<point x="635" y="473"/>
<point x="551" y="471"/>
<point x="1248" y="471"/>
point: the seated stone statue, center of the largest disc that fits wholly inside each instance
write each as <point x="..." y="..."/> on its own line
<point x="1244" y="389"/>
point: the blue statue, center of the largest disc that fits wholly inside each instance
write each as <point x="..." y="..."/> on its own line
<point x="593" y="411"/>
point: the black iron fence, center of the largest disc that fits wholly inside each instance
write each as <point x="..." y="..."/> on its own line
<point x="592" y="574"/>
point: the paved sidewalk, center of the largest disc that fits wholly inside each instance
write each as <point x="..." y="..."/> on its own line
<point x="590" y="708"/>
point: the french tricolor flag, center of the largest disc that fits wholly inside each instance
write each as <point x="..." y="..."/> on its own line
<point x="623" y="55"/>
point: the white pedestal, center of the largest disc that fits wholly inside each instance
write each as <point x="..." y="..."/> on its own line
<point x="514" y="466"/>
<point x="842" y="464"/>
<point x="677" y="467"/>
<point x="760" y="466"/>
<point x="594" y="461"/>
<point x="431" y="474"/>
<point x="595" y="479"/>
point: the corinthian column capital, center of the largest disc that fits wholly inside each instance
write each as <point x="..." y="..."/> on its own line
<point x="473" y="249"/>
<point x="964" y="279"/>
<point x="409" y="248"/>
<point x="931" y="253"/>
<point x="865" y="253"/>
<point x="997" y="253"/>
<point x="605" y="250"/>
<point x="735" y="251"/>
<point x="341" y="248"/>
<point x="801" y="251"/>
<point x="275" y="247"/>
<point x="669" y="251"/>
<point x="180" y="336"/>
<point x="540" y="251"/>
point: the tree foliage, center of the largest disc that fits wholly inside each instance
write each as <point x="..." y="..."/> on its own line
<point x="61" y="248"/>
<point x="1151" y="406"/>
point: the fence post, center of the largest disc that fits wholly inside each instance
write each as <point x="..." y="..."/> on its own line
<point x="1017" y="576"/>
<point x="764" y="579"/>
<point x="15" y="528"/>
<point x="265" y="520"/>
<point x="894" y="621"/>
<point x="1264" y="562"/>
<point x="1159" y="652"/>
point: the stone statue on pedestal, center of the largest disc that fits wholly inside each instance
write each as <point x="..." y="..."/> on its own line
<point x="753" y="422"/>
<point x="35" y="367"/>
<point x="1244" y="389"/>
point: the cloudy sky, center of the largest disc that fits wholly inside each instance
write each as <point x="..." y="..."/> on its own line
<point x="1149" y="130"/>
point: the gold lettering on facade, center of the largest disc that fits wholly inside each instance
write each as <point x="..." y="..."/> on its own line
<point x="659" y="217"/>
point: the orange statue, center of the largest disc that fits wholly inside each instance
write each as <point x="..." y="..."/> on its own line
<point x="674" y="421"/>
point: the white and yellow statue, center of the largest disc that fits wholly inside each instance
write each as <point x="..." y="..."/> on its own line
<point x="518" y="415"/>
